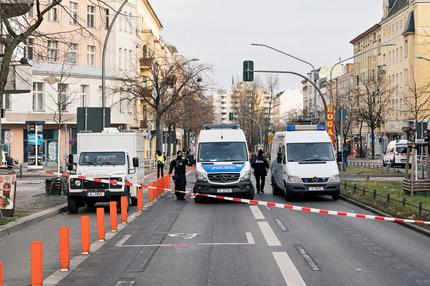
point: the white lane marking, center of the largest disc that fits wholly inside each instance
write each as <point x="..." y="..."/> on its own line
<point x="250" y="238"/>
<point x="269" y="234"/>
<point x="256" y="212"/>
<point x="125" y="283"/>
<point x="289" y="271"/>
<point x="268" y="209"/>
<point x="123" y="240"/>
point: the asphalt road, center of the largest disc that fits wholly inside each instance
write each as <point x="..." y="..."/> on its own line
<point x="221" y="243"/>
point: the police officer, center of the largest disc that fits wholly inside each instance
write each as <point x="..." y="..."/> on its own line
<point x="179" y="165"/>
<point x="160" y="159"/>
<point x="260" y="166"/>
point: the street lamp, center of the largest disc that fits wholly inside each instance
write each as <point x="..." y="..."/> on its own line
<point x="314" y="70"/>
<point x="259" y="127"/>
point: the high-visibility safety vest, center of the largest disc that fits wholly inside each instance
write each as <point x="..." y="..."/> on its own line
<point x="160" y="159"/>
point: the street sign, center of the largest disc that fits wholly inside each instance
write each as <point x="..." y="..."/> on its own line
<point x="72" y="142"/>
<point x="8" y="137"/>
<point x="32" y="139"/>
<point x="330" y="123"/>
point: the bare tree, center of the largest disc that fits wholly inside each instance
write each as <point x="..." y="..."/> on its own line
<point x="169" y="80"/>
<point x="294" y="115"/>
<point x="373" y="106"/>
<point x="416" y="100"/>
<point x="272" y="89"/>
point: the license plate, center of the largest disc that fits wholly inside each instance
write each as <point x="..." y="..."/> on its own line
<point x="316" y="188"/>
<point x="95" y="194"/>
<point x="225" y="191"/>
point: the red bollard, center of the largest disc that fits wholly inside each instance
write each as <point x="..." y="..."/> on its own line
<point x="139" y="200"/>
<point x="64" y="248"/>
<point x="113" y="216"/>
<point x="85" y="234"/>
<point x="101" y="224"/>
<point x="1" y="274"/>
<point x="36" y="263"/>
<point x="124" y="211"/>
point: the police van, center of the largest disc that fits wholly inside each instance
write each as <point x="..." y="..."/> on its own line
<point x="222" y="162"/>
<point x="303" y="162"/>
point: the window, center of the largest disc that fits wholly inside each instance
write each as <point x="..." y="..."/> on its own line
<point x="28" y="53"/>
<point x="222" y="152"/>
<point x="91" y="55"/>
<point x="107" y="19"/>
<point x="84" y="95"/>
<point x="62" y="96"/>
<point x="53" y="13"/>
<point x="125" y="59"/>
<point x="130" y="23"/>
<point x="401" y="53"/>
<point x="130" y="58"/>
<point x="73" y="6"/>
<point x="7" y="104"/>
<point x="310" y="152"/>
<point x="120" y="59"/>
<point x="406" y="48"/>
<point x="122" y="101"/>
<point x="72" y="54"/>
<point x="357" y="79"/>
<point x="91" y="15"/>
<point x="145" y="51"/>
<point x="121" y="22"/>
<point x="30" y="13"/>
<point x="52" y="51"/>
<point x="38" y="96"/>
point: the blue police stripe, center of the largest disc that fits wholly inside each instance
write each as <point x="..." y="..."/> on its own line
<point x="230" y="168"/>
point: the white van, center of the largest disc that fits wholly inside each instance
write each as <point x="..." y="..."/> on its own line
<point x="304" y="162"/>
<point x="395" y="155"/>
<point x="222" y="162"/>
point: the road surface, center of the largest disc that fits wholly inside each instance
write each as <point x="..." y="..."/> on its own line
<point x="221" y="243"/>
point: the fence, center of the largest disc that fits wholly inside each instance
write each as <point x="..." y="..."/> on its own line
<point x="374" y="166"/>
<point x="420" y="210"/>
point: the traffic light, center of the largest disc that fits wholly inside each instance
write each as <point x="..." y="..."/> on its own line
<point x="427" y="136"/>
<point x="231" y="116"/>
<point x="248" y="70"/>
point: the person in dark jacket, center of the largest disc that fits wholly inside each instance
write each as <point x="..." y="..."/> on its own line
<point x="180" y="178"/>
<point x="260" y="166"/>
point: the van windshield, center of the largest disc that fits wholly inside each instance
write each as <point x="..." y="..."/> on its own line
<point x="309" y="152"/>
<point x="102" y="158"/>
<point x="401" y="149"/>
<point x="222" y="152"/>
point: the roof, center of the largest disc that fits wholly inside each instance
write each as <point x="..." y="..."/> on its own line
<point x="410" y="24"/>
<point x="395" y="6"/>
<point x="151" y="10"/>
<point x="222" y="135"/>
<point x="303" y="136"/>
<point x="365" y="33"/>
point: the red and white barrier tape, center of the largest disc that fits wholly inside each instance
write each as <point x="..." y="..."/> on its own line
<point x="317" y="211"/>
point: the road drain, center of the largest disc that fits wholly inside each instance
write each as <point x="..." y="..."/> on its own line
<point x="305" y="255"/>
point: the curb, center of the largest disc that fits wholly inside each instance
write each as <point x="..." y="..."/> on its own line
<point x="378" y="212"/>
<point x="29" y="220"/>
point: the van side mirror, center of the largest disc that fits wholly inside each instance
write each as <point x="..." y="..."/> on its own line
<point x="70" y="159"/>
<point x="135" y="162"/>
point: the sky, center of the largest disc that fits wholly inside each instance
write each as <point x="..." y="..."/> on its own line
<point x="220" y="32"/>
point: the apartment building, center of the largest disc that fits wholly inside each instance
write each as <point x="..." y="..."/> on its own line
<point x="223" y="106"/>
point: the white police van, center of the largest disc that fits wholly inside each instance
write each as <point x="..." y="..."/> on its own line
<point x="304" y="162"/>
<point x="222" y="162"/>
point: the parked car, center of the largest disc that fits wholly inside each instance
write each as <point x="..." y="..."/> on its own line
<point x="395" y="155"/>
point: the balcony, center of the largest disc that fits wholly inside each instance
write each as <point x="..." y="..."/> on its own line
<point x="145" y="63"/>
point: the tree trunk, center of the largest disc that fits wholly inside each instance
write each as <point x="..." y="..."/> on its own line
<point x="58" y="151"/>
<point x="158" y="133"/>
<point x="361" y="139"/>
<point x="169" y="145"/>
<point x="372" y="131"/>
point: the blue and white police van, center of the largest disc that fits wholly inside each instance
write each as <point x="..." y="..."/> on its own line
<point x="303" y="162"/>
<point x="222" y="162"/>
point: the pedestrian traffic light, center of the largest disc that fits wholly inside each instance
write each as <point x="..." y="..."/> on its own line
<point x="231" y="116"/>
<point x="248" y="70"/>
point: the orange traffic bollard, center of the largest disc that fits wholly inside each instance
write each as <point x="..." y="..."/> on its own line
<point x="36" y="263"/>
<point x="1" y="274"/>
<point x="85" y="234"/>
<point x="101" y="224"/>
<point x="64" y="248"/>
<point x="124" y="211"/>
<point x="139" y="200"/>
<point x="113" y="216"/>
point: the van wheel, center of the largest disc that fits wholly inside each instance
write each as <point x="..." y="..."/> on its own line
<point x="250" y="196"/>
<point x="72" y="205"/>
<point x="392" y="164"/>
<point x="383" y="163"/>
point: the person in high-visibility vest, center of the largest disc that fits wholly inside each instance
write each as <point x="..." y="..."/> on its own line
<point x="160" y="158"/>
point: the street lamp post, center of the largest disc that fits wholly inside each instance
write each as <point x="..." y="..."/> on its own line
<point x="108" y="32"/>
<point x="259" y="127"/>
<point x="314" y="70"/>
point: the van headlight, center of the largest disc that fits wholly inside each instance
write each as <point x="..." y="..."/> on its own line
<point x="201" y="177"/>
<point x="77" y="183"/>
<point x="334" y="179"/>
<point x="294" y="179"/>
<point x="246" y="176"/>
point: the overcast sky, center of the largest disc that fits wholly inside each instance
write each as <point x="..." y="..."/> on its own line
<point x="219" y="32"/>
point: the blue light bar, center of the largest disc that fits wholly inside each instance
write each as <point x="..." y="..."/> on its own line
<point x="291" y="127"/>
